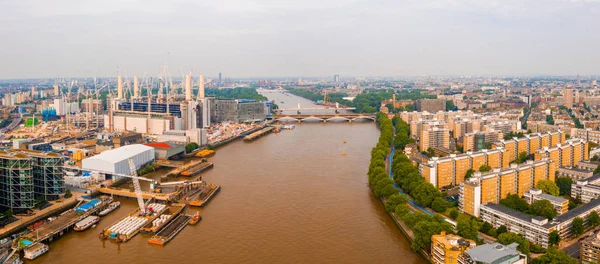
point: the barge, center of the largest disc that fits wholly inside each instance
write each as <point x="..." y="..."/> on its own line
<point x="167" y="233"/>
<point x="197" y="169"/>
<point x="86" y="223"/>
<point x="111" y="207"/>
<point x="128" y="227"/>
<point x="171" y="213"/>
<point x="204" y="197"/>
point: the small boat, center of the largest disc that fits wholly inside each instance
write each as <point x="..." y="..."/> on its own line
<point x="195" y="219"/>
<point x="86" y="223"/>
<point x="35" y="251"/>
<point x="111" y="207"/>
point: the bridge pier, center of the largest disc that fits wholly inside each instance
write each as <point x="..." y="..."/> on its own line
<point x="349" y="120"/>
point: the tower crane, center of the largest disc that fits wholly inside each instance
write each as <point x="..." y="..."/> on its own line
<point x="136" y="186"/>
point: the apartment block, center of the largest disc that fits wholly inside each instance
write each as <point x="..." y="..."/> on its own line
<point x="434" y="137"/>
<point x="588" y="134"/>
<point x="499" y="183"/>
<point x="574" y="173"/>
<point x="449" y="249"/>
<point x="586" y="189"/>
<point x="568" y="154"/>
<point x="561" y="205"/>
<point x="535" y="229"/>
<point x="589" y="253"/>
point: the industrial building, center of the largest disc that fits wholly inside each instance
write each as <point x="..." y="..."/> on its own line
<point x="27" y="176"/>
<point x="167" y="150"/>
<point x="430" y="105"/>
<point x="116" y="160"/>
<point x="237" y="111"/>
<point x="185" y="136"/>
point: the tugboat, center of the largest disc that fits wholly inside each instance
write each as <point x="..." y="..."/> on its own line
<point x="195" y="219"/>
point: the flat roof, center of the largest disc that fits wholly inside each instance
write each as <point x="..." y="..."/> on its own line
<point x="509" y="211"/>
<point x="577" y="211"/>
<point x="552" y="198"/>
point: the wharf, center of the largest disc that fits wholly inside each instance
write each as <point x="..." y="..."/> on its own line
<point x="26" y="221"/>
<point x="220" y="143"/>
<point x="170" y="231"/>
<point x="126" y="193"/>
<point x="174" y="210"/>
<point x="258" y="134"/>
<point x="62" y="224"/>
<point x="204" y="197"/>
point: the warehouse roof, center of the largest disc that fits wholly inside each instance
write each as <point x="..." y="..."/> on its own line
<point x="119" y="154"/>
<point x="163" y="145"/>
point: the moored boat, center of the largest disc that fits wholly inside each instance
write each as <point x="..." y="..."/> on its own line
<point x="86" y="223"/>
<point x="35" y="251"/>
<point x="111" y="207"/>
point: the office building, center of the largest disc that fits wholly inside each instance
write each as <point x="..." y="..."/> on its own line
<point x="336" y="78"/>
<point x="561" y="205"/>
<point x="449" y="249"/>
<point x="185" y="136"/>
<point x="495" y="253"/>
<point x="430" y="105"/>
<point x="27" y="176"/>
<point x="493" y="186"/>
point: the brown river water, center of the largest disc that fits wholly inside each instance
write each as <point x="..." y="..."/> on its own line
<point x="290" y="197"/>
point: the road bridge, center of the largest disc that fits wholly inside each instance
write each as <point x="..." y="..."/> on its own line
<point x="324" y="117"/>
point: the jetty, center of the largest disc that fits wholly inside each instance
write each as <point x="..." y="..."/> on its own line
<point x="258" y="134"/>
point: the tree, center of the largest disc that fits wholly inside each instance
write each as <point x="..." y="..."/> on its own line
<point x="191" y="147"/>
<point x="548" y="187"/>
<point x="468" y="229"/>
<point x="430" y="152"/>
<point x="564" y="185"/>
<point x="554" y="255"/>
<point x="514" y="202"/>
<point x="68" y="194"/>
<point x="424" y="193"/>
<point x="593" y="219"/>
<point x="522" y="157"/>
<point x="597" y="170"/>
<point x="577" y="226"/>
<point x="449" y="105"/>
<point x="453" y="213"/>
<point x="543" y="208"/>
<point x="439" y="205"/>
<point x="509" y="238"/>
<point x="402" y="210"/>
<point x="486" y="227"/>
<point x="554" y="238"/>
<point x="424" y="230"/>
<point x="394" y="200"/>
<point x="501" y="230"/>
<point x="485" y="168"/>
<point x="469" y="173"/>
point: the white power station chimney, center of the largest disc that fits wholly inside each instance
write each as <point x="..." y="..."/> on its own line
<point x="201" y="87"/>
<point x="120" y="87"/>
<point x="188" y="87"/>
<point x="136" y="87"/>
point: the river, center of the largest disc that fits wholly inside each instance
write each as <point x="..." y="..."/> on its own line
<point x="290" y="197"/>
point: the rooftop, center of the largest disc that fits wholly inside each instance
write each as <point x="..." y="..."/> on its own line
<point x="509" y="211"/>
<point x="553" y="198"/>
<point x="577" y="211"/>
<point x="490" y="253"/>
<point x="119" y="154"/>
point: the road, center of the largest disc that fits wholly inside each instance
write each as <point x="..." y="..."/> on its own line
<point x="573" y="250"/>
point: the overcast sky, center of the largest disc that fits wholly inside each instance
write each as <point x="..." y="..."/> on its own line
<point x="81" y="38"/>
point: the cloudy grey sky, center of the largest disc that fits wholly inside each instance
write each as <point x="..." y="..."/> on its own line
<point x="82" y="38"/>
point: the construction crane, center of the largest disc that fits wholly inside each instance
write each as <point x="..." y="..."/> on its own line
<point x="136" y="186"/>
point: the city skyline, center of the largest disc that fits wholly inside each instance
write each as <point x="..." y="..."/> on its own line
<point x="299" y="38"/>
